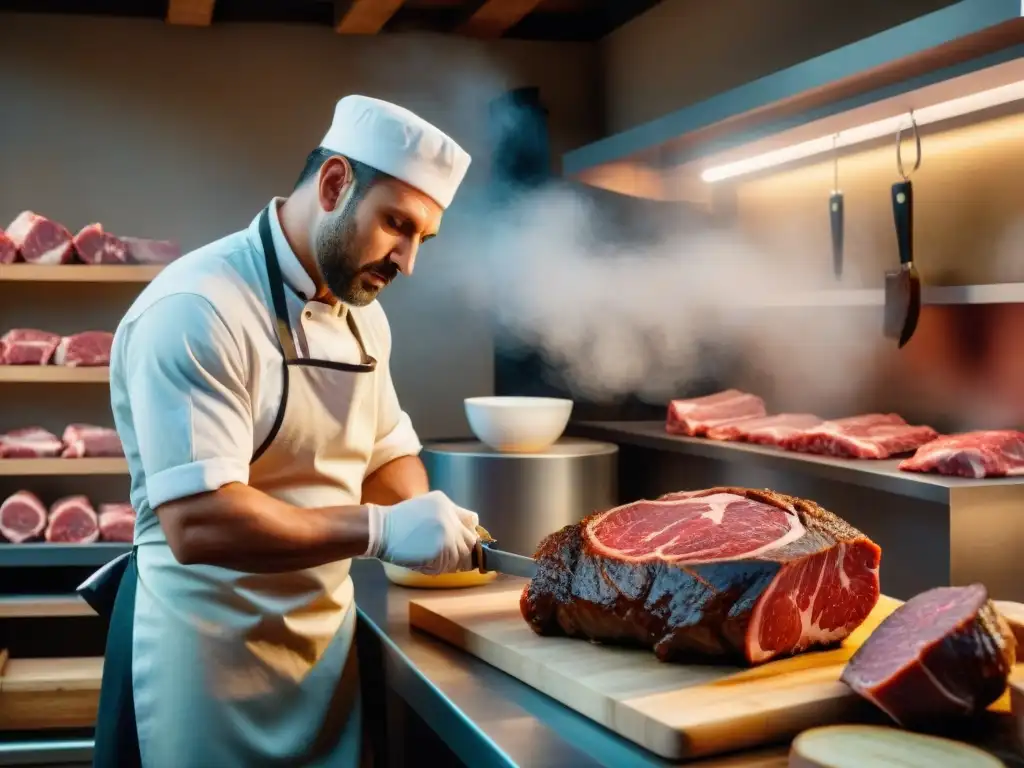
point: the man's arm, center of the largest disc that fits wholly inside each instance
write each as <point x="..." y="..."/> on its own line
<point x="239" y="527"/>
<point x="398" y="480"/>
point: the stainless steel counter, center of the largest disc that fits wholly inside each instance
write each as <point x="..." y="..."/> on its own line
<point x="486" y="717"/>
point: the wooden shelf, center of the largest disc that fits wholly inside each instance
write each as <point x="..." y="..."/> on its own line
<point x="52" y="374"/>
<point x="50" y="693"/>
<point x="83" y="273"/>
<point x="868" y="473"/>
<point x="62" y="467"/>
<point x="43" y="606"/>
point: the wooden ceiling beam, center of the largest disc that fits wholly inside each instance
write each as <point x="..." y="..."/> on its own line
<point x="190" y="13"/>
<point x="363" y="17"/>
<point x="495" y="17"/>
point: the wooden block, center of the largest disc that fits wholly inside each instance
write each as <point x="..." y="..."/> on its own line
<point x="675" y="710"/>
<point x="50" y="693"/>
<point x="872" y="746"/>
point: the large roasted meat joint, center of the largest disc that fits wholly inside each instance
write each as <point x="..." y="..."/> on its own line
<point x="740" y="574"/>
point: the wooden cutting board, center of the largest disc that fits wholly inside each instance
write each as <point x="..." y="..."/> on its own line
<point x="676" y="711"/>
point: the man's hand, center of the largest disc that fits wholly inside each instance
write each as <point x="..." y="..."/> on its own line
<point x="428" y="533"/>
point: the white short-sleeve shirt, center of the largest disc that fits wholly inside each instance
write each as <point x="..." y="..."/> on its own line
<point x="195" y="371"/>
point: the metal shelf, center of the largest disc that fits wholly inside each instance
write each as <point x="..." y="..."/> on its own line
<point x="59" y="555"/>
<point x="869" y="473"/>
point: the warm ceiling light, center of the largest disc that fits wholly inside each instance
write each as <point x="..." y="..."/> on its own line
<point x="964" y="105"/>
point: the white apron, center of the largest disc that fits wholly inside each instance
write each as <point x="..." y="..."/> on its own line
<point x="242" y="670"/>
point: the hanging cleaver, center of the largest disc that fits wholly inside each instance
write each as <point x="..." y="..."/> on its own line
<point x="903" y="286"/>
<point x="487" y="558"/>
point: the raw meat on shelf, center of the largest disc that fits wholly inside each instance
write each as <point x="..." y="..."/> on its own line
<point x="95" y="246"/>
<point x="41" y="241"/>
<point x="28" y="346"/>
<point x="768" y="430"/>
<point x="158" y="252"/>
<point x="29" y="443"/>
<point x="870" y="436"/>
<point x="733" y="573"/>
<point x="22" y="517"/>
<point x="695" y="416"/>
<point x="86" y="349"/>
<point x="117" y="522"/>
<point x="987" y="453"/>
<point x="86" y="440"/>
<point x="72" y="520"/>
<point x="8" y="250"/>
<point x="944" y="653"/>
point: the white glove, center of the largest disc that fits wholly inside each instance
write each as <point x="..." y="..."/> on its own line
<point x="429" y="534"/>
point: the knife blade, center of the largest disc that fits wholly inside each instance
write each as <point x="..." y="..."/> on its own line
<point x="487" y="558"/>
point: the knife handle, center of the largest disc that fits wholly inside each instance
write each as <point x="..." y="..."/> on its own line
<point x="835" y="212"/>
<point x="478" y="556"/>
<point x="903" y="217"/>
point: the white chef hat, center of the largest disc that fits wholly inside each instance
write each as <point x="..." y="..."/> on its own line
<point x="396" y="141"/>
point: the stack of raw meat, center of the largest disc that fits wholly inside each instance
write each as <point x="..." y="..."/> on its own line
<point x="741" y="417"/>
<point x="78" y="441"/>
<point x="71" y="520"/>
<point x="36" y="239"/>
<point x="988" y="453"/>
<point x="29" y="346"/>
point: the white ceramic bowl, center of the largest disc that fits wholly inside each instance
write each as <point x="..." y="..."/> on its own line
<point x="518" y="424"/>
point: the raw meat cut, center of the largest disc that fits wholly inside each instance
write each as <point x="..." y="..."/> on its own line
<point x="94" y="246"/>
<point x="989" y="453"/>
<point x="73" y="521"/>
<point x="944" y="652"/>
<point x="81" y="440"/>
<point x="117" y="522"/>
<point x="27" y="346"/>
<point x="695" y="416"/>
<point x="8" y="250"/>
<point x="726" y="572"/>
<point x="152" y="251"/>
<point x="871" y="436"/>
<point x="90" y="348"/>
<point x="770" y="430"/>
<point x="29" y="443"/>
<point x="22" y="517"/>
<point x="39" y="240"/>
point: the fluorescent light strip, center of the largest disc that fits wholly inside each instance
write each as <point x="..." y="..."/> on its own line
<point x="963" y="105"/>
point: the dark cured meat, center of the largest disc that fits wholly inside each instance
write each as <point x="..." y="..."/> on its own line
<point x="726" y="572"/>
<point x="944" y="653"/>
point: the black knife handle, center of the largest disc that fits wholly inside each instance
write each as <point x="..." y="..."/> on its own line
<point x="903" y="217"/>
<point x="835" y="212"/>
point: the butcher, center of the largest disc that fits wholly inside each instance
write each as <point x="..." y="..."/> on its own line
<point x="250" y="386"/>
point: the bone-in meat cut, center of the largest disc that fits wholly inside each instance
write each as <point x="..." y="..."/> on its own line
<point x="86" y="440"/>
<point x="735" y="573"/>
<point x="988" y="453"/>
<point x="871" y="436"/>
<point x="28" y="346"/>
<point x="944" y="653"/>
<point x="89" y="348"/>
<point x="693" y="417"/>
<point x="117" y="522"/>
<point x="30" y="443"/>
<point x="8" y="250"/>
<point x="769" y="430"/>
<point x="41" y="241"/>
<point x="95" y="246"/>
<point x="73" y="520"/>
<point x="22" y="517"/>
